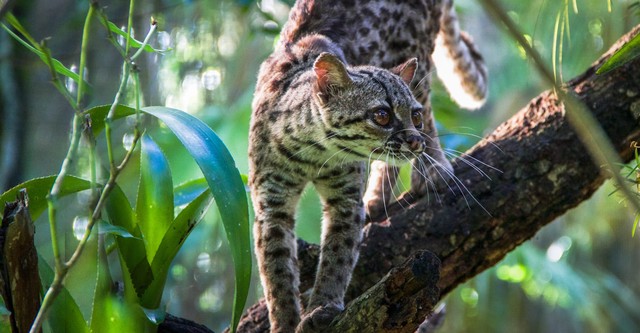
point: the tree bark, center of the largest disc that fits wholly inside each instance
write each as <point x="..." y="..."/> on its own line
<point x="539" y="170"/>
<point x="19" y="279"/>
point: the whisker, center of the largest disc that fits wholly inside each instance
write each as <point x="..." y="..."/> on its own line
<point x="473" y="136"/>
<point x="314" y="144"/>
<point x="458" y="183"/>
<point x="384" y="200"/>
<point x="437" y="164"/>
<point x="330" y="157"/>
<point x="395" y="197"/>
<point x="366" y="185"/>
<point x="473" y="166"/>
<point x="420" y="168"/>
<point x="463" y="155"/>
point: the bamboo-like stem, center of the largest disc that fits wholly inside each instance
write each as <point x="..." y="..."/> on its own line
<point x="126" y="68"/>
<point x="589" y="131"/>
<point x="83" y="53"/>
<point x="52" y="198"/>
<point x="132" y="4"/>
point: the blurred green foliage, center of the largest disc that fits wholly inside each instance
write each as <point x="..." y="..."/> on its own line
<point x="579" y="274"/>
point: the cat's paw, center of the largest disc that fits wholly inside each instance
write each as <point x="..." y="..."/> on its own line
<point x="317" y="319"/>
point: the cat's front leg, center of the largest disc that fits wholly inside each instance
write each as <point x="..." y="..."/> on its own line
<point x="341" y="236"/>
<point x="382" y="180"/>
<point x="275" y="198"/>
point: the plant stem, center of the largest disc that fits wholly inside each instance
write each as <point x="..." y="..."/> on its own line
<point x="132" y="4"/>
<point x="52" y="198"/>
<point x="589" y="131"/>
<point x="126" y="69"/>
<point x="83" y="53"/>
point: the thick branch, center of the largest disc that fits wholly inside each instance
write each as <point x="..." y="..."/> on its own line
<point x="403" y="298"/>
<point x="545" y="171"/>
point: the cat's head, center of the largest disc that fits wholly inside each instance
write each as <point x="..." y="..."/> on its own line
<point x="370" y="112"/>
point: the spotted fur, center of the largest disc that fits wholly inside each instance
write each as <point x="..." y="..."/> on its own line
<point x="325" y="106"/>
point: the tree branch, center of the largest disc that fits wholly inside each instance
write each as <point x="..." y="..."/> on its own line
<point x="545" y="171"/>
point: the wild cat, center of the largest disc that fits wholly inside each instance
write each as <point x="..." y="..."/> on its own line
<point x="335" y="94"/>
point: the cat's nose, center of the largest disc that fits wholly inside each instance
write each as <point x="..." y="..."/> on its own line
<point x="416" y="143"/>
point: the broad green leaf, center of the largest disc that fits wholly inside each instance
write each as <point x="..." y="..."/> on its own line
<point x="171" y="243"/>
<point x="131" y="251"/>
<point x="110" y="313"/>
<point x="188" y="191"/>
<point x="628" y="52"/>
<point x="38" y="189"/>
<point x="132" y="41"/>
<point x="106" y="228"/>
<point x="64" y="315"/>
<point x="154" y="205"/>
<point x="57" y="65"/>
<point x="225" y="182"/>
<point x="99" y="114"/>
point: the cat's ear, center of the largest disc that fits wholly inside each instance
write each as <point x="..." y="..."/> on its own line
<point x="331" y="74"/>
<point x="407" y="70"/>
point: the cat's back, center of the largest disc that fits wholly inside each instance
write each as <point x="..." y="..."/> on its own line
<point x="372" y="32"/>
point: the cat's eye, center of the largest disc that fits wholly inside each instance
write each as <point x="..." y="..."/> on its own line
<point x="416" y="118"/>
<point x="382" y="117"/>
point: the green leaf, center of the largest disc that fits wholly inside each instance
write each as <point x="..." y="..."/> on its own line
<point x="110" y="313"/>
<point x="64" y="315"/>
<point x="107" y="228"/>
<point x="155" y="316"/>
<point x="171" y="243"/>
<point x="99" y="114"/>
<point x="132" y="41"/>
<point x="57" y="65"/>
<point x="628" y="52"/>
<point x="154" y="206"/>
<point x="100" y="318"/>
<point x="38" y="189"/>
<point x="131" y="251"/>
<point x="188" y="191"/>
<point x="225" y="182"/>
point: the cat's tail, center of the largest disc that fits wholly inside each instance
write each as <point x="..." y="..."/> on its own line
<point x="459" y="64"/>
